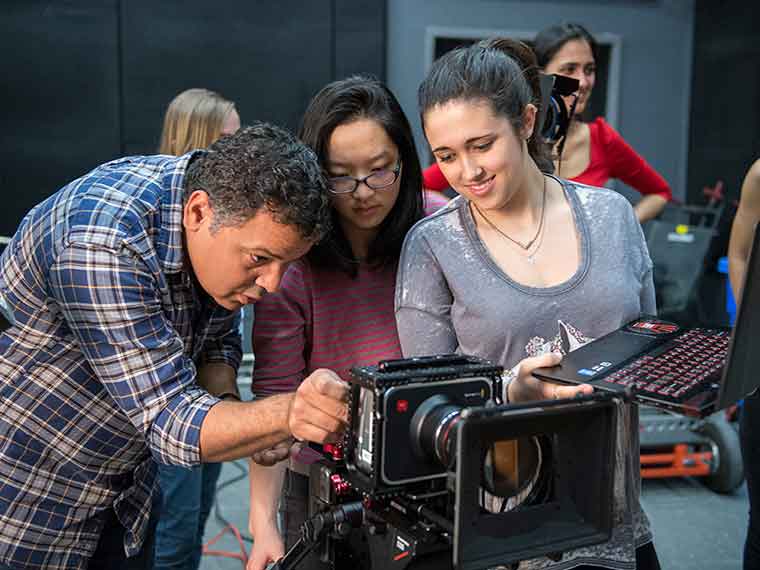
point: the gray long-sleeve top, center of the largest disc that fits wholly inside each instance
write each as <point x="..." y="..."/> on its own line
<point x="452" y="297"/>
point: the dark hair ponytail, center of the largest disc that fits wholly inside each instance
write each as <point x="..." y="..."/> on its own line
<point x="501" y="71"/>
<point x="524" y="56"/>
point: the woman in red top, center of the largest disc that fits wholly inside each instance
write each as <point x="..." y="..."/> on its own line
<point x="594" y="152"/>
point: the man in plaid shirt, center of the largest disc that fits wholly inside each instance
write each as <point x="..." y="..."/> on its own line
<point x="125" y="286"/>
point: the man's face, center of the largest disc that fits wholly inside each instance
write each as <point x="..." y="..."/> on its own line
<point x="239" y="265"/>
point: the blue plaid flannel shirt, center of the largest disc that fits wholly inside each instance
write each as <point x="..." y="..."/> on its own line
<point x="97" y="376"/>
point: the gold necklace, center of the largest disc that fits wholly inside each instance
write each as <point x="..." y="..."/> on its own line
<point x="523" y="246"/>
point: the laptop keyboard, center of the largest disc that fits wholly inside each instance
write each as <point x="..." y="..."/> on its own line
<point x="679" y="366"/>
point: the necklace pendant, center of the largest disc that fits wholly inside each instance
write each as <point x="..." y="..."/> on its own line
<point x="531" y="258"/>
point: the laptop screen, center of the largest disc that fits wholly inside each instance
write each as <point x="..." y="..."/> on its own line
<point x="742" y="373"/>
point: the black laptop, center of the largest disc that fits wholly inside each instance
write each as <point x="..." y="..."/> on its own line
<point x="692" y="371"/>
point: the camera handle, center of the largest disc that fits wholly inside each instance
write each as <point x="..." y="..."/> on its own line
<point x="340" y="520"/>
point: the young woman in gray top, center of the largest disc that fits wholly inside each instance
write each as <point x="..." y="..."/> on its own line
<point x="522" y="266"/>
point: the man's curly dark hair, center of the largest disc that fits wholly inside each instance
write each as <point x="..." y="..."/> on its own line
<point x="262" y="166"/>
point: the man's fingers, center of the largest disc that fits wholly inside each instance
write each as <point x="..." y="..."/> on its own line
<point x="330" y="407"/>
<point x="276" y="453"/>
<point x="270" y="457"/>
<point x="309" y="432"/>
<point x="311" y="412"/>
<point x="319" y="412"/>
<point x="324" y="390"/>
<point x="328" y="383"/>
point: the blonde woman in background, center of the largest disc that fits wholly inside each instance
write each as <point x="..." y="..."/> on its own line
<point x="194" y="119"/>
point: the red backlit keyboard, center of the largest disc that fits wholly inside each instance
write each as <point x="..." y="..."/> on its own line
<point x="677" y="367"/>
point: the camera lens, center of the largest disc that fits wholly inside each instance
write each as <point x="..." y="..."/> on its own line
<point x="510" y="467"/>
<point x="433" y="429"/>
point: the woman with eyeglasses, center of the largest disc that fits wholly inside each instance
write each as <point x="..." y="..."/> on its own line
<point x="335" y="307"/>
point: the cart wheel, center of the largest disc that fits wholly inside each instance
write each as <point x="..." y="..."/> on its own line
<point x="726" y="449"/>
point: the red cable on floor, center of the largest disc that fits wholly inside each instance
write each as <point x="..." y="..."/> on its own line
<point x="242" y="555"/>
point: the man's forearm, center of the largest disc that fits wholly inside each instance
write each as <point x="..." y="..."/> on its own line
<point x="232" y="430"/>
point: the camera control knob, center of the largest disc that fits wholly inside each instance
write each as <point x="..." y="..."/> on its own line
<point x="335" y="450"/>
<point x="339" y="485"/>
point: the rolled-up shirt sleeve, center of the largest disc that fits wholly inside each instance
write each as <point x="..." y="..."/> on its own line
<point x="111" y="302"/>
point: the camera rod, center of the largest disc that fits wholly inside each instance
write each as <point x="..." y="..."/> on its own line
<point x="427" y="513"/>
<point x="340" y="519"/>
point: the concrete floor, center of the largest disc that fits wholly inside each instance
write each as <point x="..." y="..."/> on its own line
<point x="694" y="528"/>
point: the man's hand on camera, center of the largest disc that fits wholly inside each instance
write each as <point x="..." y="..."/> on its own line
<point x="319" y="412"/>
<point x="526" y="387"/>
<point x="277" y="453"/>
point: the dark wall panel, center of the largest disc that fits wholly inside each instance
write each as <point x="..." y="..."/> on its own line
<point x="59" y="99"/>
<point x="724" y="134"/>
<point x="360" y="30"/>
<point x="268" y="57"/>
<point x="89" y="80"/>
<point x="725" y="95"/>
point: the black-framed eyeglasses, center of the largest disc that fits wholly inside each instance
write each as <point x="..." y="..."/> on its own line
<point x="376" y="180"/>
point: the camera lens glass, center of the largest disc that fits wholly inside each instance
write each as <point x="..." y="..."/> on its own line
<point x="433" y="429"/>
<point x="511" y="466"/>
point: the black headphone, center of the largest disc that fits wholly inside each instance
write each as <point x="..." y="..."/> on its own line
<point x="555" y="117"/>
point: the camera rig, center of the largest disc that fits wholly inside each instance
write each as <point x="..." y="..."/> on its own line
<point x="434" y="472"/>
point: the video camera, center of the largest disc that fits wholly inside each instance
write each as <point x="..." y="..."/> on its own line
<point x="434" y="472"/>
<point x="554" y="118"/>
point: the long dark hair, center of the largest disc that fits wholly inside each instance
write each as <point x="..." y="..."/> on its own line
<point x="550" y="40"/>
<point x="501" y="71"/>
<point x="344" y="101"/>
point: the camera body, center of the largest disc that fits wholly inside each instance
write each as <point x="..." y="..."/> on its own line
<point x="406" y="487"/>
<point x="403" y="415"/>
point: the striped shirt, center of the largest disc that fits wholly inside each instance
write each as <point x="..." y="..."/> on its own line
<point x="325" y="319"/>
<point x="97" y="376"/>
